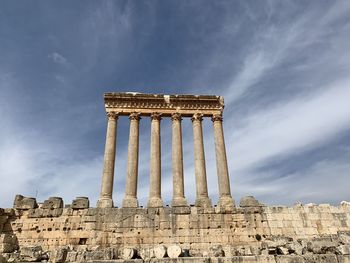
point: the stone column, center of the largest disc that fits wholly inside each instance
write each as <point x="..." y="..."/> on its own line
<point x="202" y="198"/>
<point x="155" y="199"/>
<point x="105" y="199"/>
<point x="177" y="162"/>
<point x="225" y="199"/>
<point x="130" y="199"/>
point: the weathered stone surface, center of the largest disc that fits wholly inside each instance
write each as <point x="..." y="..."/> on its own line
<point x="289" y="259"/>
<point x="344" y="249"/>
<point x="128" y="253"/>
<point x="174" y="251"/>
<point x="8" y="243"/>
<point x="216" y="251"/>
<point x="24" y="203"/>
<point x="80" y="203"/>
<point x="146" y="253"/>
<point x="343" y="258"/>
<point x="31" y="253"/>
<point x="2" y="259"/>
<point x="59" y="255"/>
<point x="53" y="203"/>
<point x="249" y="201"/>
<point x="320" y="258"/>
<point x="160" y="251"/>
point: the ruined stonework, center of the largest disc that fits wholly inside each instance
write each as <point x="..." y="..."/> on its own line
<point x="250" y="232"/>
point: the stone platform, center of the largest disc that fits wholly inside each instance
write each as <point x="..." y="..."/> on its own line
<point x="251" y="232"/>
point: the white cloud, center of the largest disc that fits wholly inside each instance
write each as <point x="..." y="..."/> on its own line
<point x="308" y="121"/>
<point x="57" y="58"/>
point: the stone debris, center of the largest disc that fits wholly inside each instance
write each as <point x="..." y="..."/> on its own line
<point x="53" y="203"/>
<point x="24" y="203"/>
<point x="249" y="201"/>
<point x="80" y="203"/>
<point x="174" y="251"/>
<point x="160" y="251"/>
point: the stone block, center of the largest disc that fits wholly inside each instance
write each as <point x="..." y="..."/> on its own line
<point x="343" y="258"/>
<point x="53" y="203"/>
<point x="80" y="203"/>
<point x="289" y="259"/>
<point x="59" y="255"/>
<point x="344" y="249"/>
<point x="249" y="201"/>
<point x="24" y="203"/>
<point x="31" y="253"/>
<point x="320" y="258"/>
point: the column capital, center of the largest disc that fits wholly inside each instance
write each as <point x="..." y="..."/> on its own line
<point x="197" y="117"/>
<point x="176" y="116"/>
<point x="217" y="117"/>
<point x="112" y="115"/>
<point x="135" y="116"/>
<point x="156" y="116"/>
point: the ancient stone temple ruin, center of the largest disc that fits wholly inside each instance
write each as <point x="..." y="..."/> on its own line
<point x="177" y="232"/>
<point x="157" y="107"/>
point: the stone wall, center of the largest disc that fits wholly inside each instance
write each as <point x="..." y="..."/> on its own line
<point x="251" y="231"/>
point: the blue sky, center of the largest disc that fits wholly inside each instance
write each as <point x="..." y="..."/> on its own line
<point x="282" y="66"/>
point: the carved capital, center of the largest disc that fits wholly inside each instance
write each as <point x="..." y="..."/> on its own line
<point x="156" y="116"/>
<point x="176" y="116"/>
<point x="112" y="115"/>
<point x="197" y="117"/>
<point x="135" y="116"/>
<point x="217" y="117"/>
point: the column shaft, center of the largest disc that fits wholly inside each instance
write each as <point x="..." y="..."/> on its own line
<point x="177" y="162"/>
<point x="202" y="198"/>
<point x="221" y="163"/>
<point x="155" y="169"/>
<point x="105" y="199"/>
<point x="130" y="199"/>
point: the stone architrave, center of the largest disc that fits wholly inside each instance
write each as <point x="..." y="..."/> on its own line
<point x="225" y="198"/>
<point x="155" y="199"/>
<point x="130" y="199"/>
<point x="177" y="162"/>
<point x="105" y="199"/>
<point x="202" y="199"/>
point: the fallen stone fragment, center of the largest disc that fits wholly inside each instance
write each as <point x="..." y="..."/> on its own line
<point x="174" y="251"/>
<point x="160" y="251"/>
<point x="128" y="253"/>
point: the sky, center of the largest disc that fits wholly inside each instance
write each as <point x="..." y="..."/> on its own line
<point x="283" y="68"/>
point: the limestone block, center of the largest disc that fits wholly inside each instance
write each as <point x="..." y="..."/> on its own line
<point x="24" y="203"/>
<point x="128" y="253"/>
<point x="289" y="259"/>
<point x="160" y="251"/>
<point x="59" y="255"/>
<point x="344" y="249"/>
<point x="31" y="253"/>
<point x="71" y="256"/>
<point x="216" y="251"/>
<point x="249" y="201"/>
<point x="343" y="258"/>
<point x="174" y="251"/>
<point x="80" y="203"/>
<point x="320" y="258"/>
<point x="53" y="203"/>
<point x="295" y="248"/>
<point x="146" y="253"/>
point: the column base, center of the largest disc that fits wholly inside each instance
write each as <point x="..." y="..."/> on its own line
<point x="130" y="202"/>
<point x="155" y="202"/>
<point x="203" y="202"/>
<point x="105" y="202"/>
<point x="179" y="201"/>
<point x="226" y="202"/>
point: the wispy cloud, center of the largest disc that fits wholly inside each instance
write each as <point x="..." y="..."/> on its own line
<point x="57" y="58"/>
